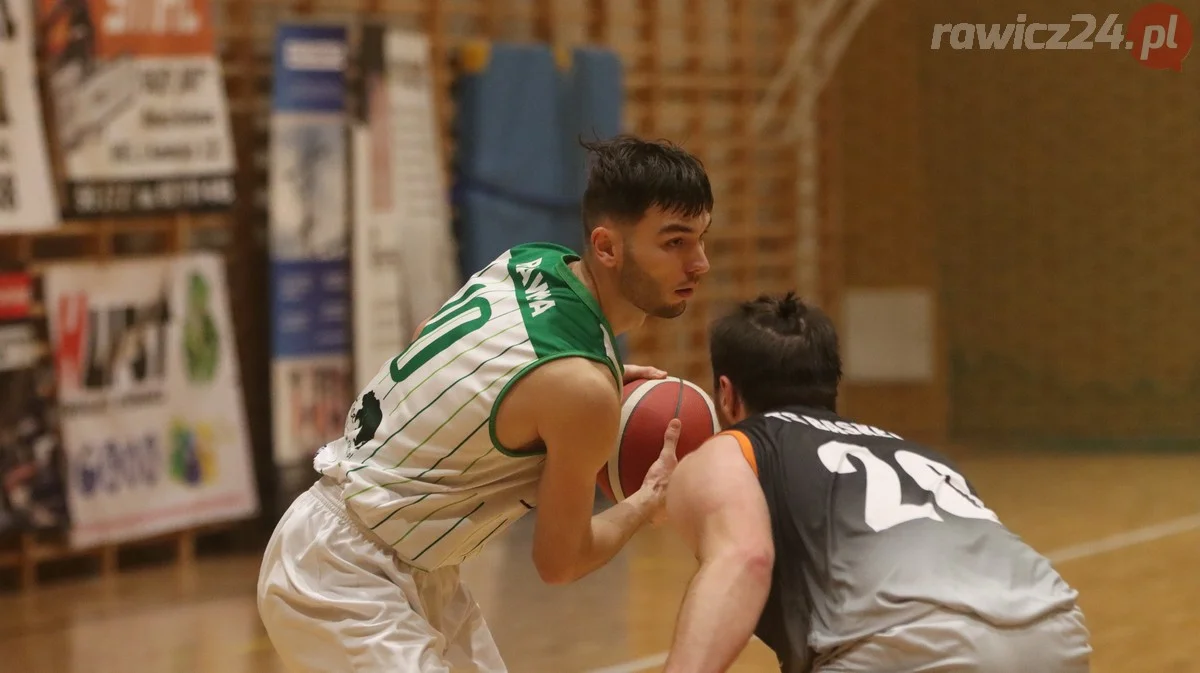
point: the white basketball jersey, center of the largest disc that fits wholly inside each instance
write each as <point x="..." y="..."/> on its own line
<point x="419" y="463"/>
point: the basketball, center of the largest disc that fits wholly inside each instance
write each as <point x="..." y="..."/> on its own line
<point x="647" y="408"/>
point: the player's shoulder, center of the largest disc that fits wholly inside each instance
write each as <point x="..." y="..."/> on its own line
<point x="560" y="313"/>
<point x="571" y="372"/>
<point x="720" y="451"/>
<point x="573" y="387"/>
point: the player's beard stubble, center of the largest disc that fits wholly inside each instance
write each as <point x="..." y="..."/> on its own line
<point x="641" y="290"/>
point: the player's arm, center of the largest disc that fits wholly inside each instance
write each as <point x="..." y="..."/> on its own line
<point x="715" y="502"/>
<point x="578" y="421"/>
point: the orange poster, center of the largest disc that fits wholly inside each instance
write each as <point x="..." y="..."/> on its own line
<point x="115" y="27"/>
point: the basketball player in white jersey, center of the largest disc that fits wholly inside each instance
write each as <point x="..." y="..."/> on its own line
<point x="508" y="400"/>
<point x="842" y="546"/>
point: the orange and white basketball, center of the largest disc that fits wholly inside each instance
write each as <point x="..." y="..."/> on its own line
<point x="647" y="408"/>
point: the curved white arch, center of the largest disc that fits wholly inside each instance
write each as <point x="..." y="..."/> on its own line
<point x="822" y="36"/>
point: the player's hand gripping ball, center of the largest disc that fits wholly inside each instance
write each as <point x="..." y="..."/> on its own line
<point x="647" y="408"/>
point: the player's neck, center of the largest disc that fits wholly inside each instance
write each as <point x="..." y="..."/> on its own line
<point x="621" y="315"/>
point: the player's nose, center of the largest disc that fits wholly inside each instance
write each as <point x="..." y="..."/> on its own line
<point x="698" y="264"/>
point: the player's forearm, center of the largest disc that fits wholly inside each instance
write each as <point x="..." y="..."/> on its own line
<point x="719" y="613"/>
<point x="611" y="529"/>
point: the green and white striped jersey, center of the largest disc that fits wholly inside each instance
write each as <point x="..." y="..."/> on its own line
<point x="419" y="462"/>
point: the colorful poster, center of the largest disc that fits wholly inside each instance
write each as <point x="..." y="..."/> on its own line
<point x="381" y="327"/>
<point x="153" y="420"/>
<point x="27" y="198"/>
<point x="32" y="495"/>
<point x="139" y="106"/>
<point x="309" y="233"/>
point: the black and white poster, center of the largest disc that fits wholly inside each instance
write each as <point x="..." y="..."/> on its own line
<point x="139" y="102"/>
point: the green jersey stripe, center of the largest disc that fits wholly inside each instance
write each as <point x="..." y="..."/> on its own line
<point x="462" y="378"/>
<point x="408" y="479"/>
<point x="431" y="327"/>
<point x="451" y="453"/>
<point x="485" y="537"/>
<point x="454" y="359"/>
<point x="426" y="339"/>
<point x="426" y="517"/>
<point x="456" y="411"/>
<point x="471" y="464"/>
<point x="449" y="530"/>
<point x="397" y="510"/>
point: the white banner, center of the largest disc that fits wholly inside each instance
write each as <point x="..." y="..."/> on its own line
<point x="27" y="198"/>
<point x="152" y="416"/>
<point x="140" y="108"/>
<point x="429" y="254"/>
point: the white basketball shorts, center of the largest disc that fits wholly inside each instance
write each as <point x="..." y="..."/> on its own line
<point x="334" y="600"/>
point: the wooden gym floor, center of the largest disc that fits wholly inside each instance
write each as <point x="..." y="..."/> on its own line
<point x="1124" y="529"/>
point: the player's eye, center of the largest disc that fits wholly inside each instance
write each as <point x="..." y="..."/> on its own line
<point x="675" y="243"/>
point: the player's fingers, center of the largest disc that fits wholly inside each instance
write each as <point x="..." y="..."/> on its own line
<point x="671" y="437"/>
<point x="637" y="372"/>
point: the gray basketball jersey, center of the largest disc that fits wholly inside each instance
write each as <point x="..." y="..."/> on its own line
<point x="420" y="464"/>
<point x="872" y="531"/>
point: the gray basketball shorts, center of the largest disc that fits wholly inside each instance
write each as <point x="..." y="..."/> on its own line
<point x="946" y="642"/>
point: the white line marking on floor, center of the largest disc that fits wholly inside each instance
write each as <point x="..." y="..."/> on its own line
<point x="635" y="665"/>
<point x="1126" y="539"/>
<point x="1065" y="555"/>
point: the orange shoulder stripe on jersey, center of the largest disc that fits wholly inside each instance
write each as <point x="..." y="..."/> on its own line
<point x="747" y="448"/>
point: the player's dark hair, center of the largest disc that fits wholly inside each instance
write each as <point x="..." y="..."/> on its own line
<point x="777" y="352"/>
<point x="627" y="176"/>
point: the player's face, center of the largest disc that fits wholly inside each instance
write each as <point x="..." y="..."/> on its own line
<point x="662" y="262"/>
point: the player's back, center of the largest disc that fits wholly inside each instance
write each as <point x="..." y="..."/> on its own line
<point x="872" y="531"/>
<point x="419" y="463"/>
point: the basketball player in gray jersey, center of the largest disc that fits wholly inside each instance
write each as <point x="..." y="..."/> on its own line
<point x="842" y="546"/>
<point x="509" y="399"/>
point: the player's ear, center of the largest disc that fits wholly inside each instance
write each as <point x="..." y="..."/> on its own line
<point x="606" y="244"/>
<point x="726" y="399"/>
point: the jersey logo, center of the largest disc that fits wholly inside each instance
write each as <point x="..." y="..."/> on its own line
<point x="368" y="416"/>
<point x="537" y="292"/>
